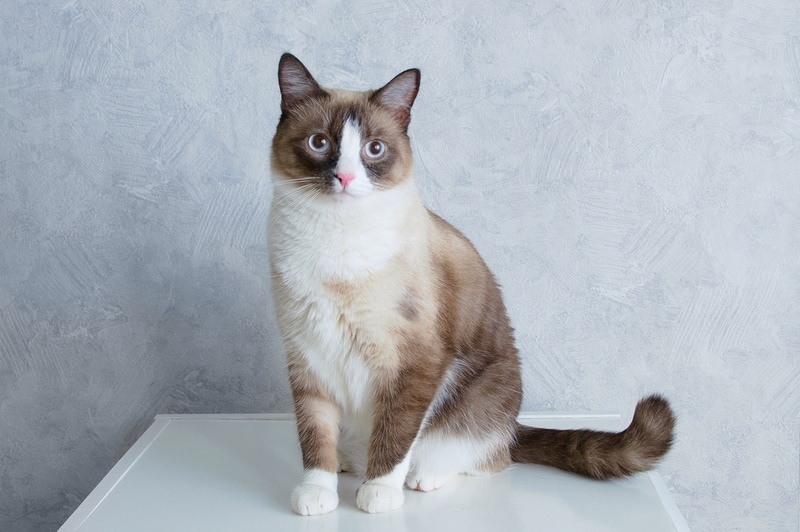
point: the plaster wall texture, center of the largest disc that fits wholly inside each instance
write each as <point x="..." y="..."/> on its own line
<point x="629" y="169"/>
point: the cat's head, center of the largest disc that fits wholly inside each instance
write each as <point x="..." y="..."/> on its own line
<point x="340" y="143"/>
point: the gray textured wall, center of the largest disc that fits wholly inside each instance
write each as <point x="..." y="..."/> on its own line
<point x="630" y="171"/>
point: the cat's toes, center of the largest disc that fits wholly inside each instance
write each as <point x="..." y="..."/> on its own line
<point x="427" y="482"/>
<point x="378" y="498"/>
<point x="310" y="499"/>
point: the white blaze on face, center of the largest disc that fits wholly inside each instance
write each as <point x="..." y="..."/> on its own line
<point x="351" y="175"/>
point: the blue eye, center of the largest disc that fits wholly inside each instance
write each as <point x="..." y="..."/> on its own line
<point x="374" y="149"/>
<point x="318" y="143"/>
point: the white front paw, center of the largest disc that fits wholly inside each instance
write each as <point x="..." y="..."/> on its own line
<point x="378" y="498"/>
<point x="310" y="499"/>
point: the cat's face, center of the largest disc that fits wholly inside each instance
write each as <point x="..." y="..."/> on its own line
<point x="343" y="144"/>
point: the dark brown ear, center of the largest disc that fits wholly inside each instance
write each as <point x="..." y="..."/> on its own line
<point x="399" y="94"/>
<point x="296" y="83"/>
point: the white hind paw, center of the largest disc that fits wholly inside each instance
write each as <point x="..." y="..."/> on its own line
<point x="378" y="498"/>
<point x="428" y="481"/>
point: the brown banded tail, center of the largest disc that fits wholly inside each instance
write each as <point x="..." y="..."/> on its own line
<point x="602" y="455"/>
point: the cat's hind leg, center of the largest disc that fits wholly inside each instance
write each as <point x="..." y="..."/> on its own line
<point x="438" y="457"/>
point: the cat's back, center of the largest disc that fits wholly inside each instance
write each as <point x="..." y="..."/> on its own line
<point x="457" y="261"/>
<point x="470" y="298"/>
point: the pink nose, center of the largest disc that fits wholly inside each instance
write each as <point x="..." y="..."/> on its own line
<point x="345" y="179"/>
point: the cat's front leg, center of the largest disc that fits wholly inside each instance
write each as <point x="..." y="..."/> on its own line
<point x="316" y="494"/>
<point x="399" y="412"/>
<point x="318" y="430"/>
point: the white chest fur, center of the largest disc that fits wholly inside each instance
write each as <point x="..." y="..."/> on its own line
<point x="330" y="240"/>
<point x="319" y="243"/>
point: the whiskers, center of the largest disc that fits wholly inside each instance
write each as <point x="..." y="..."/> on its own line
<point x="297" y="195"/>
<point x="290" y="198"/>
<point x="380" y="185"/>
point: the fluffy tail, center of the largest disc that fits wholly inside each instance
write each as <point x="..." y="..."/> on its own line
<point x="602" y="455"/>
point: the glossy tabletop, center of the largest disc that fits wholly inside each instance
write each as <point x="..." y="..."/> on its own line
<point x="236" y="472"/>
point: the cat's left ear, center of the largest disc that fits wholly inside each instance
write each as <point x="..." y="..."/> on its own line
<point x="399" y="94"/>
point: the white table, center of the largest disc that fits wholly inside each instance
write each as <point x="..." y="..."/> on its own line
<point x="236" y="472"/>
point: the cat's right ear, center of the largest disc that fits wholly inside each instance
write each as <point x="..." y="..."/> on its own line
<point x="296" y="83"/>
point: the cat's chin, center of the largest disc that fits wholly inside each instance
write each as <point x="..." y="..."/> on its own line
<point x="346" y="195"/>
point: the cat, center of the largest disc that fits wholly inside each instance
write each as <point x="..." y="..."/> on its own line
<point x="401" y="358"/>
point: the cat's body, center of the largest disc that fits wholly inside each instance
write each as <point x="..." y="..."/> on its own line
<point x="399" y="348"/>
